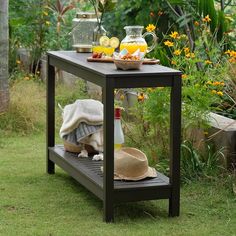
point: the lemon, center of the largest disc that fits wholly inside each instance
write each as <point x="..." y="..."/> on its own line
<point x="104" y="41"/>
<point x="114" y="42"/>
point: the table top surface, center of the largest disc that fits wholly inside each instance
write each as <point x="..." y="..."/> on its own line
<point x="108" y="69"/>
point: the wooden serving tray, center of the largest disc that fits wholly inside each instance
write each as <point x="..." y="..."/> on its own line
<point x="146" y="61"/>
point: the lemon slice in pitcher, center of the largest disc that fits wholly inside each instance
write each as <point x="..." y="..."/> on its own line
<point x="114" y="42"/>
<point x="104" y="41"/>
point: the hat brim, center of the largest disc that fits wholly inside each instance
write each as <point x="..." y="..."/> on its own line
<point x="151" y="173"/>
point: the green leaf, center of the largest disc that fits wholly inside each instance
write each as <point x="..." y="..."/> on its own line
<point x="109" y="5"/>
<point x="101" y="7"/>
<point x="177" y="2"/>
<point x="221" y="25"/>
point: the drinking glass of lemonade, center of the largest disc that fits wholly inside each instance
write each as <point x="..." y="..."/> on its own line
<point x="135" y="40"/>
<point x="106" y="45"/>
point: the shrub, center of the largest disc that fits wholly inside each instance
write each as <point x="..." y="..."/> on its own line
<point x="26" y="112"/>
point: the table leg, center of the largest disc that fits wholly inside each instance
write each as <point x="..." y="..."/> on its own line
<point x="108" y="163"/>
<point x="175" y="137"/>
<point x="50" y="115"/>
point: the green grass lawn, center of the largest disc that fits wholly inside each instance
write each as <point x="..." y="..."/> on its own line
<point x="35" y="203"/>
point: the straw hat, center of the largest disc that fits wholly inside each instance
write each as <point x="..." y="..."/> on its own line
<point x="132" y="164"/>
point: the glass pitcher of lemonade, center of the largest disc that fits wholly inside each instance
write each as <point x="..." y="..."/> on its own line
<point x="136" y="40"/>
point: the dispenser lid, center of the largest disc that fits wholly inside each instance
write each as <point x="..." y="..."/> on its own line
<point x="85" y="15"/>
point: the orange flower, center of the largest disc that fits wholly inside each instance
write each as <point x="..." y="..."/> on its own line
<point x="196" y="23"/>
<point x="216" y="83"/>
<point x="184" y="76"/>
<point x="206" y="19"/>
<point x="152" y="14"/>
<point x="232" y="53"/>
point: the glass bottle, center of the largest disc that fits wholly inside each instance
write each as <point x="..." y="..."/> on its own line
<point x="118" y="132"/>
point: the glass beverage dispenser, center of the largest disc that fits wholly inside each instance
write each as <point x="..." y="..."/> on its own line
<point x="82" y="33"/>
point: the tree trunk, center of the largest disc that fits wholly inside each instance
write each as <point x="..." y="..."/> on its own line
<point x="4" y="47"/>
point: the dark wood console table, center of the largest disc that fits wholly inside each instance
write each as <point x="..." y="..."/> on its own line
<point x="86" y="171"/>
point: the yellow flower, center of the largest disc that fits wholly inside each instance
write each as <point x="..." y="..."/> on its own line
<point x="174" y="35"/>
<point x="186" y="50"/>
<point x="232" y="60"/>
<point x="45" y="13"/>
<point x="141" y="97"/>
<point x="184" y="76"/>
<point x="122" y="97"/>
<point x="47" y="23"/>
<point x="150" y="89"/>
<point x="183" y="36"/>
<point x="190" y="55"/>
<point x="222" y="84"/>
<point x="169" y="43"/>
<point x="18" y="62"/>
<point x="206" y="19"/>
<point x="232" y="53"/>
<point x="214" y="91"/>
<point x="220" y="93"/>
<point x="196" y="23"/>
<point x="177" y="52"/>
<point x="228" y="52"/>
<point x="216" y="83"/>
<point x="208" y="62"/>
<point x="209" y="82"/>
<point x="173" y="62"/>
<point x="150" y="28"/>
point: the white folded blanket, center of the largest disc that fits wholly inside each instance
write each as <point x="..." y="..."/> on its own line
<point x="86" y="110"/>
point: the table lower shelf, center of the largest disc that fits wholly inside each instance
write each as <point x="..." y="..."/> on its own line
<point x="88" y="173"/>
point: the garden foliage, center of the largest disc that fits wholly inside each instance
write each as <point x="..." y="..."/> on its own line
<point x="195" y="37"/>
